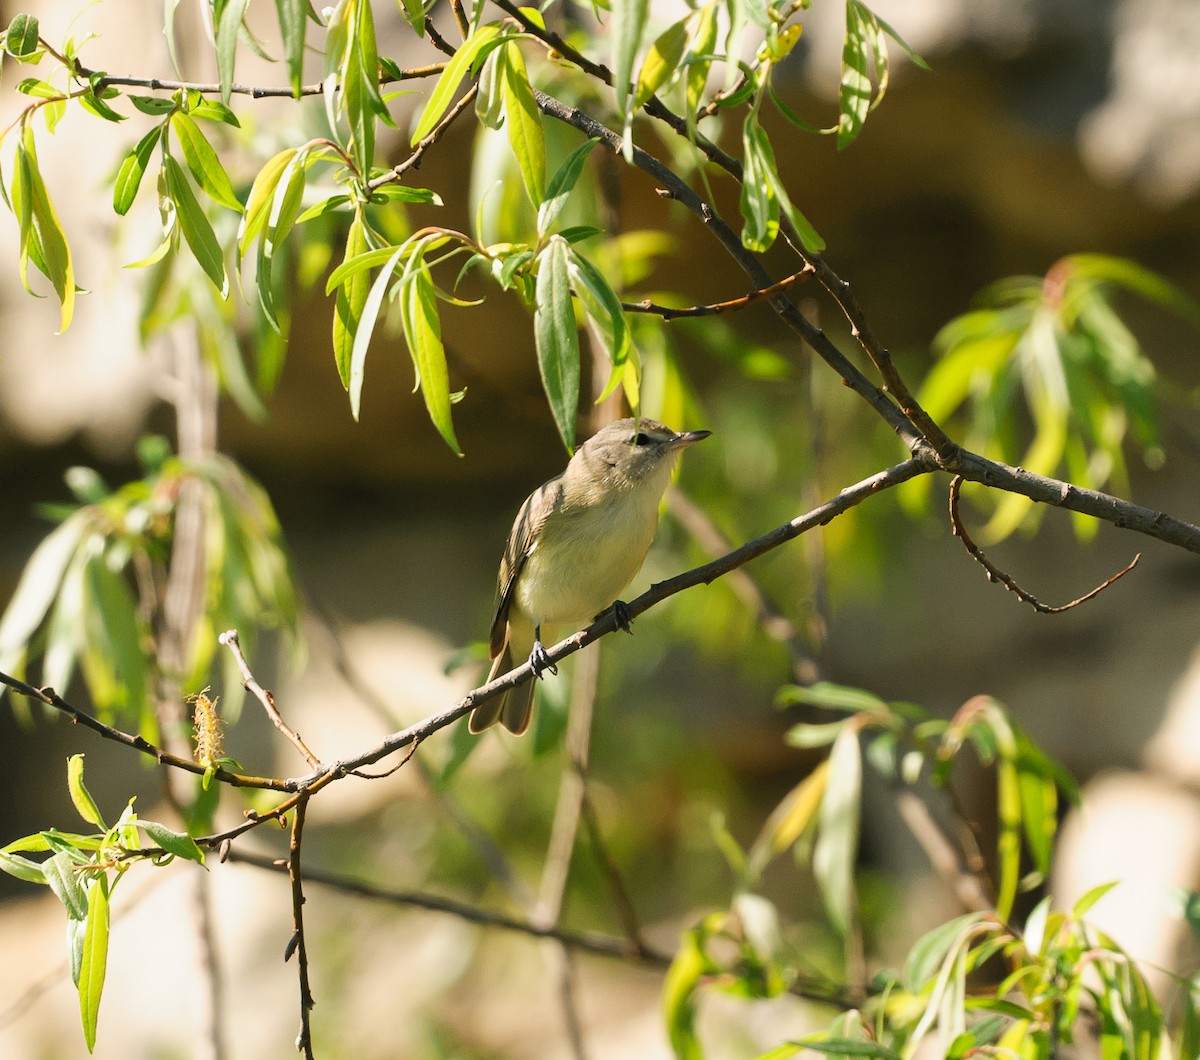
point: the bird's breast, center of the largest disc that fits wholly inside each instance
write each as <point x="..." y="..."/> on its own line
<point x="584" y="557"/>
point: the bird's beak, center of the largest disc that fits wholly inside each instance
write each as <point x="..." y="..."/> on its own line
<point x="685" y="438"/>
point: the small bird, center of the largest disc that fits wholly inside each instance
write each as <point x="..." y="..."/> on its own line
<point x="577" y="542"/>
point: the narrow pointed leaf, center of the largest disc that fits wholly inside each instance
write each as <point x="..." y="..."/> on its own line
<point x="262" y="194"/>
<point x="836" y="850"/>
<point x="628" y="27"/>
<point x="227" y="31"/>
<point x="197" y="229"/>
<point x="95" y="959"/>
<point x="133" y="168"/>
<point x="366" y="326"/>
<point x="348" y="306"/>
<point x="423" y="333"/>
<point x="451" y="77"/>
<point x="203" y="162"/>
<point x="524" y="121"/>
<point x="557" y="338"/>
<point x="662" y="62"/>
<point x="80" y="795"/>
<point x="562" y="184"/>
<point x="178" y="843"/>
<point x="292" y="24"/>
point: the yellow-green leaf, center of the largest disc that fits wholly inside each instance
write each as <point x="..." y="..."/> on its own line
<point x="662" y="61"/>
<point x="197" y="229"/>
<point x="524" y="121"/>
<point x="95" y="958"/>
<point x="203" y="162"/>
<point x="557" y="338"/>
<point x="423" y="333"/>
<point x="80" y="795"/>
<point x="451" y="76"/>
<point x="348" y="306"/>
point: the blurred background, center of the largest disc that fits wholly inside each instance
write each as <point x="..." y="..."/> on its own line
<point x="1046" y="127"/>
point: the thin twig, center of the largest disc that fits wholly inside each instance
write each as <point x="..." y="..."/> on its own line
<point x="51" y="698"/>
<point x="413" y="161"/>
<point x="995" y="574"/>
<point x="298" y="944"/>
<point x="760" y="294"/>
<point x="249" y="682"/>
<point x="616" y="885"/>
<point x="592" y="942"/>
<point x="484" y="845"/>
<point x="160" y="84"/>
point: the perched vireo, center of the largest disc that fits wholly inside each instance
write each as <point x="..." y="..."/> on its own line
<point x="577" y="542"/>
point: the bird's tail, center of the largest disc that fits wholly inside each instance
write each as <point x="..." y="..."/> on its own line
<point x="513" y="709"/>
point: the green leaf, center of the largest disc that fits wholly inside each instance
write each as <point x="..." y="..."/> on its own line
<point x="38" y="588"/>
<point x="21" y="39"/>
<point x="679" y="997"/>
<point x="854" y="98"/>
<point x="447" y="84"/>
<point x="759" y="206"/>
<point x="80" y="795"/>
<point x="832" y="697"/>
<point x="1082" y="907"/>
<point x="602" y="305"/>
<point x="196" y="227"/>
<point x="848" y="1047"/>
<point x="262" y="195"/>
<point x="178" y="843"/>
<point x="42" y="237"/>
<point x="64" y="882"/>
<point x="836" y="849"/>
<point x="628" y="28"/>
<point x="153" y="105"/>
<point x="95" y="958"/>
<point x="929" y="951"/>
<point x="113" y="659"/>
<point x="22" y="868"/>
<point x="524" y="121"/>
<point x="348" y="306"/>
<point x="562" y="184"/>
<point x="292" y="24"/>
<point x="227" y="31"/>
<point x="366" y="326"/>
<point x="133" y="168"/>
<point x="423" y="333"/>
<point x="794" y="815"/>
<point x="662" y="62"/>
<point x="557" y="338"/>
<point x="203" y="162"/>
<point x="94" y="103"/>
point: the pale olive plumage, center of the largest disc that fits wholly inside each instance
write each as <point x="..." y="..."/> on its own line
<point x="576" y="543"/>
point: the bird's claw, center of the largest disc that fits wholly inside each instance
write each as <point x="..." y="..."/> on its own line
<point x="539" y="660"/>
<point x="622" y="617"/>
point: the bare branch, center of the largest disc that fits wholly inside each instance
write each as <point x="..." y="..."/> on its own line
<point x="731" y="306"/>
<point x="593" y="942"/>
<point x="230" y="640"/>
<point x="298" y="944"/>
<point x="995" y="574"/>
<point x="79" y="717"/>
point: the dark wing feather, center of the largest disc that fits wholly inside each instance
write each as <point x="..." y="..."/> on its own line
<point x="539" y="504"/>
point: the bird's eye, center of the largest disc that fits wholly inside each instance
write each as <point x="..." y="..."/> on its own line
<point x="641" y="438"/>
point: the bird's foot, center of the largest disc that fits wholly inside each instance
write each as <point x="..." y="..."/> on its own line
<point x="539" y="660"/>
<point x="622" y="617"/>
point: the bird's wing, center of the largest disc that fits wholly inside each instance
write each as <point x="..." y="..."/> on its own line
<point x="538" y="505"/>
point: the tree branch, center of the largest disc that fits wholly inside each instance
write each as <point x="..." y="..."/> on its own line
<point x="995" y="574"/>
<point x="249" y="682"/>
<point x="593" y="942"/>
